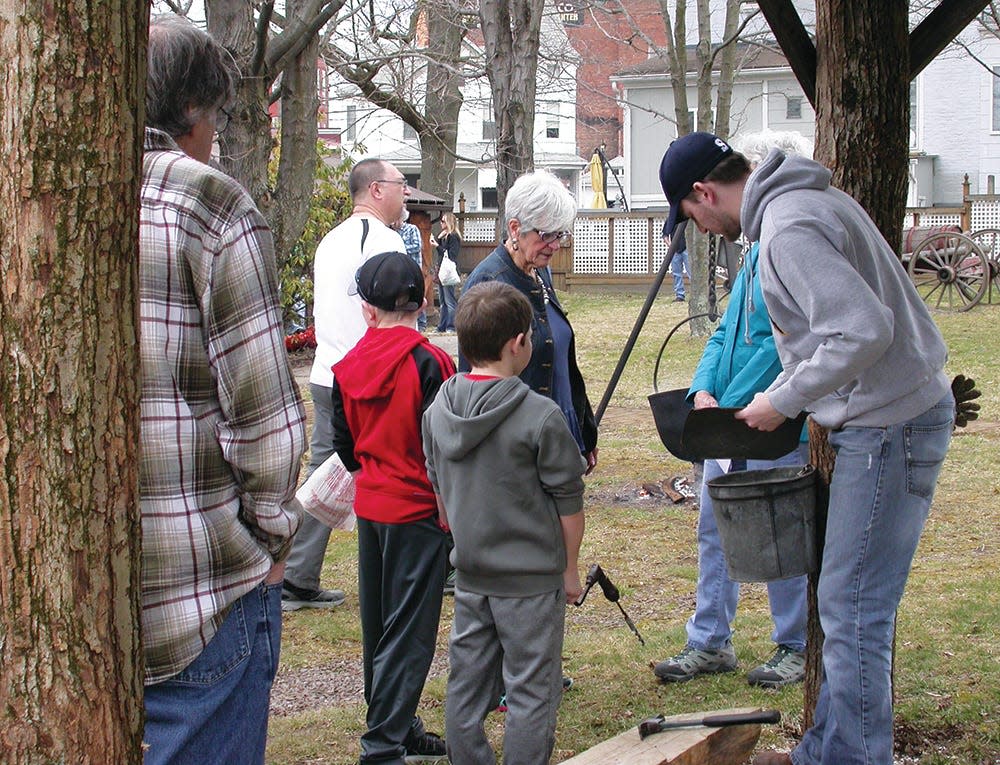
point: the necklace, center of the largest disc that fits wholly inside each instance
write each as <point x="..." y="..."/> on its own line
<point x="543" y="286"/>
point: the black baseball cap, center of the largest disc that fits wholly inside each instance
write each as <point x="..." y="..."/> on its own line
<point x="687" y="160"/>
<point x="391" y="281"/>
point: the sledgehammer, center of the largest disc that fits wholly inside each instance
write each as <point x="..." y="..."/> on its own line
<point x="658" y="724"/>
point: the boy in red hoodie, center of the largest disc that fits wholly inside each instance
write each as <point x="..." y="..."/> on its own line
<point x="381" y="389"/>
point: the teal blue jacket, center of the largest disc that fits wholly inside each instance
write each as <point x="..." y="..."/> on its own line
<point x="740" y="358"/>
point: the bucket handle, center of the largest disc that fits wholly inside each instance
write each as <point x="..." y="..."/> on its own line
<point x="712" y="315"/>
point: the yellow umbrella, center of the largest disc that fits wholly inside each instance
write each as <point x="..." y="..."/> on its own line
<point x="597" y="182"/>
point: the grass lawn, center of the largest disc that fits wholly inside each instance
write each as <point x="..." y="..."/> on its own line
<point x="948" y="640"/>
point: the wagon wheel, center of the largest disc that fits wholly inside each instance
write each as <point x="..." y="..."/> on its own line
<point x="950" y="272"/>
<point x="988" y="240"/>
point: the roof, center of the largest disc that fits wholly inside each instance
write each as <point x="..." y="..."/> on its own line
<point x="748" y="57"/>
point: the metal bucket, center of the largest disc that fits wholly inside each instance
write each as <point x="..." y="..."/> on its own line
<point x="767" y="522"/>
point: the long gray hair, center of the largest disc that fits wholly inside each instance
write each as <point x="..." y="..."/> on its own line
<point x="756" y="146"/>
<point x="188" y="75"/>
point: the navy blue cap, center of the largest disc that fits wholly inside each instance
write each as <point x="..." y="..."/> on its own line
<point x="391" y="281"/>
<point x="687" y="160"/>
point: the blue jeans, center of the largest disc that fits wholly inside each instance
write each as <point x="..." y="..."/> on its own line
<point x="446" y="296"/>
<point x="709" y="627"/>
<point x="678" y="266"/>
<point x="216" y="709"/>
<point x="880" y="495"/>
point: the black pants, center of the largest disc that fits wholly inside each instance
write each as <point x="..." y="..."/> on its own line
<point x="401" y="569"/>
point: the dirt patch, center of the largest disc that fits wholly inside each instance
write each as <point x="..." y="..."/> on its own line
<point x="338" y="683"/>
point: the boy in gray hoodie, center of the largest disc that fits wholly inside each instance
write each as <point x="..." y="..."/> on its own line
<point x="861" y="352"/>
<point x="509" y="480"/>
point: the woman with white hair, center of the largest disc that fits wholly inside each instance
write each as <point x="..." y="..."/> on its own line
<point x="740" y="360"/>
<point x="539" y="218"/>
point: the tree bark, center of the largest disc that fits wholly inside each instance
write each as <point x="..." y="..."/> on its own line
<point x="70" y="145"/>
<point x="862" y="110"/>
<point x="293" y="188"/>
<point x="439" y="136"/>
<point x="245" y="147"/>
<point x="862" y="130"/>
<point x="511" y="31"/>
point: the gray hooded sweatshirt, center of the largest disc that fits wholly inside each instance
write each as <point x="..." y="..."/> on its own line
<point x="857" y="345"/>
<point x="506" y="466"/>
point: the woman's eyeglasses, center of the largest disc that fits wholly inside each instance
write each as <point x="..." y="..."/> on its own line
<point x="548" y="237"/>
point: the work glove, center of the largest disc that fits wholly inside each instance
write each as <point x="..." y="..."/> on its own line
<point x="965" y="391"/>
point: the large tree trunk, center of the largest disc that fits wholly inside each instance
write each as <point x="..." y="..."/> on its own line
<point x="70" y="146"/>
<point x="511" y="32"/>
<point x="245" y="147"/>
<point x="442" y="106"/>
<point x="862" y="130"/>
<point x="862" y="109"/>
<point x="293" y="188"/>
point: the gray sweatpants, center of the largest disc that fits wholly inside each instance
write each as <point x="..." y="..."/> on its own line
<point x="512" y="643"/>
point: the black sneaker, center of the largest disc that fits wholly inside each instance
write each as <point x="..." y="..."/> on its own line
<point x="449" y="583"/>
<point x="293" y="598"/>
<point x="424" y="746"/>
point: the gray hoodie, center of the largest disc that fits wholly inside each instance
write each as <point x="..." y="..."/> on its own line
<point x="506" y="466"/>
<point x="857" y="345"/>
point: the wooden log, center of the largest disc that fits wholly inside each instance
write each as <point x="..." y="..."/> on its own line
<point x="698" y="745"/>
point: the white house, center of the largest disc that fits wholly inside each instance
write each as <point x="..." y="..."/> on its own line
<point x="363" y="130"/>
<point x="955" y="117"/>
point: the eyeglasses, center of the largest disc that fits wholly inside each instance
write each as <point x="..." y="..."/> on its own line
<point x="548" y="237"/>
<point x="222" y="120"/>
<point x="401" y="181"/>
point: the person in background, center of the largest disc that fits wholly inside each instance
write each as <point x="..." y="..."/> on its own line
<point x="379" y="192"/>
<point x="500" y="457"/>
<point x="679" y="267"/>
<point x="873" y="375"/>
<point x="222" y="423"/>
<point x="413" y="242"/>
<point x="381" y="389"/>
<point x="449" y="242"/>
<point x="739" y="361"/>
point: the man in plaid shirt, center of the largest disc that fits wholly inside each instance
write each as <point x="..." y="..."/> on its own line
<point x="223" y="428"/>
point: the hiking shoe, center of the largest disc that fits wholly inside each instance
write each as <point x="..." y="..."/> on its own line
<point x="424" y="746"/>
<point x="293" y="598"/>
<point x="567" y="682"/>
<point x="787" y="666"/>
<point x="449" y="583"/>
<point x="692" y="662"/>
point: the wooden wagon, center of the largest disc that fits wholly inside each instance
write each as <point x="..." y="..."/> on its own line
<point x="951" y="269"/>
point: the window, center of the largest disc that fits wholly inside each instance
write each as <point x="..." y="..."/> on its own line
<point x="489" y="125"/>
<point x="490" y="200"/>
<point x="352" y="118"/>
<point x="996" y="99"/>
<point x="550" y="111"/>
<point x="409" y="134"/>
<point x="793" y="108"/>
<point x="913" y="113"/>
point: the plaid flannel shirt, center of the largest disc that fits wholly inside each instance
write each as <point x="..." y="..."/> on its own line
<point x="223" y="427"/>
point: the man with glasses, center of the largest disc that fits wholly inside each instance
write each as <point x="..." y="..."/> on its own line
<point x="379" y="192"/>
<point x="223" y="428"/>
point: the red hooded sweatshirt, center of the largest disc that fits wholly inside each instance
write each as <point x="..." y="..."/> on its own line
<point x="380" y="391"/>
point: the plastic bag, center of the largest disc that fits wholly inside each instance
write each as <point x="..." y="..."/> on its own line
<point x="328" y="495"/>
<point x="448" y="273"/>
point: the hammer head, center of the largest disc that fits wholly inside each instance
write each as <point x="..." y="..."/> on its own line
<point x="650" y="725"/>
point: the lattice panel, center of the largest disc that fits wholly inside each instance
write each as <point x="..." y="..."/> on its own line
<point x="590" y="246"/>
<point x="479" y="230"/>
<point x="985" y="214"/>
<point x="631" y="246"/>
<point x="940" y="219"/>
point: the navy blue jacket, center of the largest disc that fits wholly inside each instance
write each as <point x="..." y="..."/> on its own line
<point x="500" y="267"/>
